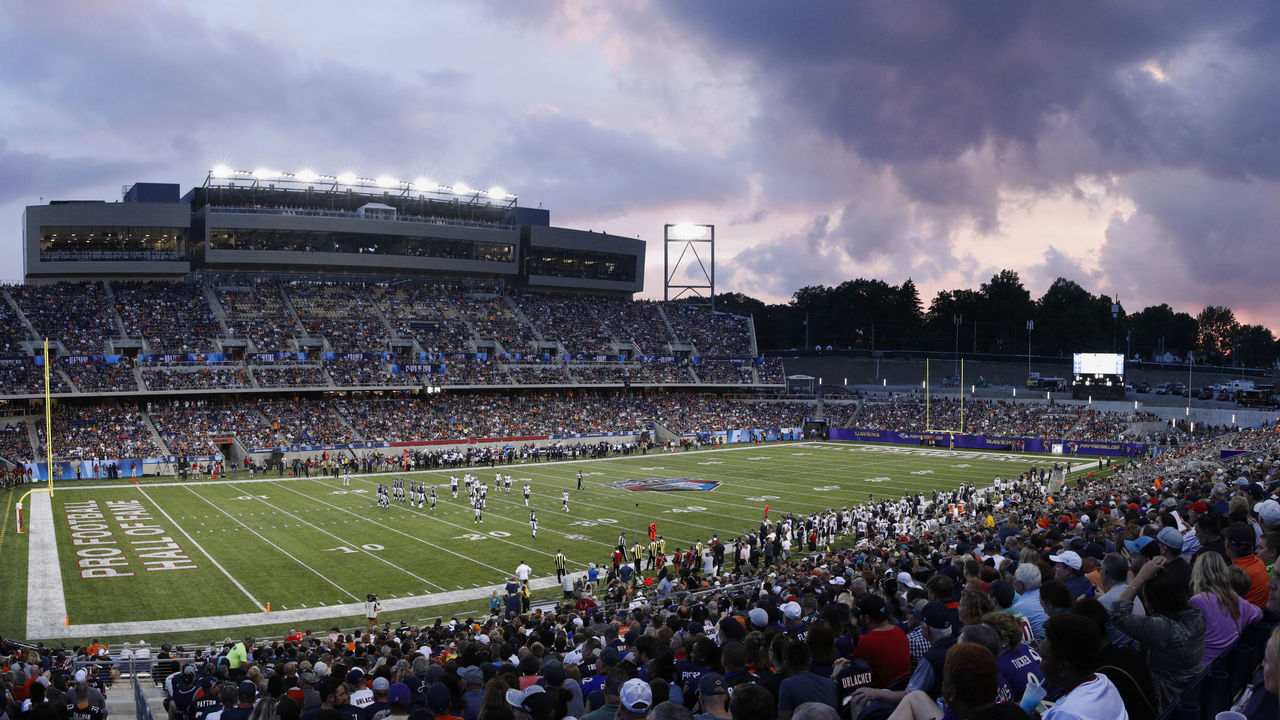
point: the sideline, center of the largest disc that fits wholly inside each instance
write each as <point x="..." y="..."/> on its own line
<point x="300" y="616"/>
<point x="415" y="471"/>
<point x="46" y="604"/>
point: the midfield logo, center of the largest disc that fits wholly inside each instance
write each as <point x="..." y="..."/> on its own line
<point x="666" y="484"/>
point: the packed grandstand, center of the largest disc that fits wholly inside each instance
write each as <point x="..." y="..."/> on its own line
<point x="1143" y="592"/>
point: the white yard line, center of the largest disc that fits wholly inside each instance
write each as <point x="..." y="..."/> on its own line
<point x="286" y="553"/>
<point x="46" y="605"/>
<point x="380" y="559"/>
<point x="204" y="552"/>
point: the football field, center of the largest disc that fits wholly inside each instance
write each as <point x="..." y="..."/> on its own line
<point x="218" y="553"/>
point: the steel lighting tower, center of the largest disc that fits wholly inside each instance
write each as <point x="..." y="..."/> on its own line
<point x="694" y="240"/>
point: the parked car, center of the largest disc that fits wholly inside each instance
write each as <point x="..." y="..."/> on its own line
<point x="1142" y="386"/>
<point x="1162" y="389"/>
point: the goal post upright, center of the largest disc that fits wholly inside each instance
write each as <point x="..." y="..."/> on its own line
<point x="48" y="421"/>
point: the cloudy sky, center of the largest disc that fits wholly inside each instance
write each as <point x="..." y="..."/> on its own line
<point x="1133" y="147"/>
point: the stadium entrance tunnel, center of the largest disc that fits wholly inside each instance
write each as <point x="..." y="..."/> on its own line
<point x="233" y="451"/>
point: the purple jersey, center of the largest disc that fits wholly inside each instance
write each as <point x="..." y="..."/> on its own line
<point x="1016" y="668"/>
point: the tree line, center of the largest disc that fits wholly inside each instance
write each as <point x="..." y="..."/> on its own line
<point x="867" y="314"/>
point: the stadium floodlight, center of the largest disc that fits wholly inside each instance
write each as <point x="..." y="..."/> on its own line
<point x="497" y="191"/>
<point x="423" y="185"/>
<point x="386" y="182"/>
<point x="307" y="175"/>
<point x="347" y="178"/>
<point x="265" y="174"/>
<point x="460" y="188"/>
<point x="220" y="172"/>
<point x="689" y="231"/>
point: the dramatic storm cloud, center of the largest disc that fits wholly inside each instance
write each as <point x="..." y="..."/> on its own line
<point x="1133" y="147"/>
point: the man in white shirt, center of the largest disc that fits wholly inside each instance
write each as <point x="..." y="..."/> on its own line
<point x="522" y="572"/>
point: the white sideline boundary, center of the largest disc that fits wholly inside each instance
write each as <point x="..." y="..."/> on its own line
<point x="299" y="617"/>
<point x="46" y="603"/>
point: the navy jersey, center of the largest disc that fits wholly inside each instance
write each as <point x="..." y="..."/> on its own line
<point x="855" y="675"/>
<point x="89" y="712"/>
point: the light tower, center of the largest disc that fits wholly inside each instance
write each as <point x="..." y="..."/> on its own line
<point x="695" y="241"/>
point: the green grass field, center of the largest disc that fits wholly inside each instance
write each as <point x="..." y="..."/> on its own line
<point x="212" y="548"/>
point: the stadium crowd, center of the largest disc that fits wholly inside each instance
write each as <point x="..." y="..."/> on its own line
<point x="204" y="378"/>
<point x="170" y="317"/>
<point x="101" y="376"/>
<point x="411" y="417"/>
<point x="1113" y="598"/>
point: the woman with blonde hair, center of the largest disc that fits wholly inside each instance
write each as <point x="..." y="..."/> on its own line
<point x="1226" y="614"/>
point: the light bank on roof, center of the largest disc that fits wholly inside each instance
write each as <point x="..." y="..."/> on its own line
<point x="308" y="223"/>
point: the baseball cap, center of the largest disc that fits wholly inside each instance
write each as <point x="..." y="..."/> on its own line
<point x="1095" y="551"/>
<point x="517" y="698"/>
<point x="1198" y="507"/>
<point x="355" y="676"/>
<point x="610" y="656"/>
<point x="381" y="684"/>
<point x="208" y="682"/>
<point x="553" y="672"/>
<point x="439" y="697"/>
<point x="1254" y="489"/>
<point x="295" y="694"/>
<point x="904" y="578"/>
<point x="936" y="616"/>
<point x="1138" y="545"/>
<point x="917" y="608"/>
<point x="398" y="693"/>
<point x="306" y="676"/>
<point x="1069" y="558"/>
<point x="712" y="684"/>
<point x="1240" y="537"/>
<point x="1002" y="592"/>
<point x="636" y="695"/>
<point x="187" y="669"/>
<point x="759" y="617"/>
<point x="1268" y="512"/>
<point x="871" y="605"/>
<point x="791" y="610"/>
<point x="82" y="675"/>
<point x="1170" y="537"/>
<point x="246" y="690"/>
<point x="471" y="675"/>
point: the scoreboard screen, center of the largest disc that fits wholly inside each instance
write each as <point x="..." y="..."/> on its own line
<point x="1097" y="364"/>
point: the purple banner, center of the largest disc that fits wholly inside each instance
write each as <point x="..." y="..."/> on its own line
<point x="984" y="442"/>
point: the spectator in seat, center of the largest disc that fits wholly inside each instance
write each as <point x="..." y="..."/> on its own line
<point x="1226" y="614"/>
<point x="752" y="702"/>
<point x="1171" y="635"/>
<point x="884" y="646"/>
<point x="802" y="685"/>
<point x="928" y="674"/>
<point x="1068" y="657"/>
<point x="1026" y="580"/>
<point x="1241" y="541"/>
